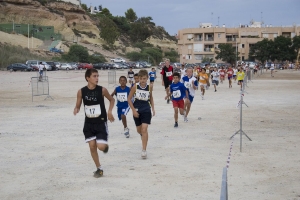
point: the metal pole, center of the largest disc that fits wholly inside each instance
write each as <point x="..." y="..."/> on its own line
<point x="13" y="25"/>
<point x="241" y="124"/>
<point x="28" y="36"/>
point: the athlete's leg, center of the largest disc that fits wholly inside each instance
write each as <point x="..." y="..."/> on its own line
<point x="94" y="153"/>
<point x="124" y="120"/>
<point x="144" y="131"/>
<point x="187" y="105"/>
<point x="176" y="114"/>
<point x="139" y="129"/>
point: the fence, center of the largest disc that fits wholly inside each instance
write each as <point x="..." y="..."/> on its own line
<point x="40" y="87"/>
<point x="112" y="78"/>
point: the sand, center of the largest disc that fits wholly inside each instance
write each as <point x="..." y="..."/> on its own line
<point x="43" y="154"/>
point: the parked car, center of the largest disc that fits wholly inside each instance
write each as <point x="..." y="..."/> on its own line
<point x="177" y="65"/>
<point x="19" y="66"/>
<point x="57" y="65"/>
<point x="55" y="50"/>
<point x="66" y="66"/>
<point x="34" y="64"/>
<point x="47" y="66"/>
<point x="52" y="64"/>
<point x="84" y="66"/>
<point x="99" y="66"/>
<point x="117" y="60"/>
<point x="123" y="66"/>
<point x="74" y="65"/>
<point x="132" y="64"/>
<point x="115" y="66"/>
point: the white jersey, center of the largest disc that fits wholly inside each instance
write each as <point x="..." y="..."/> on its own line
<point x="41" y="67"/>
<point x="188" y="83"/>
<point x="182" y="72"/>
<point x="235" y="71"/>
<point x="215" y="75"/>
<point x="272" y="66"/>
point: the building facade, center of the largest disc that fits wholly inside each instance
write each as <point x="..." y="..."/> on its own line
<point x="194" y="44"/>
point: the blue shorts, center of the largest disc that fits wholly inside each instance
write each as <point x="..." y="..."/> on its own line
<point x="191" y="98"/>
<point x="234" y="76"/>
<point x="123" y="111"/>
<point x="229" y="78"/>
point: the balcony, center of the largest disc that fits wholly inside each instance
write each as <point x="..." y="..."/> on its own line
<point x="231" y="39"/>
<point x="208" y="49"/>
<point x="197" y="39"/>
<point x="209" y="39"/>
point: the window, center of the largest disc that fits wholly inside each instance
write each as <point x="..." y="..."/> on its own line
<point x="198" y="47"/>
<point x="275" y="35"/>
<point x="243" y="45"/>
<point x="49" y="28"/>
<point x="190" y="36"/>
<point x="243" y="58"/>
<point x="198" y="57"/>
<point x="265" y="35"/>
<point x="219" y="35"/>
<point x="190" y="46"/>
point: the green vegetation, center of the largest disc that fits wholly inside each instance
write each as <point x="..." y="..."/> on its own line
<point x="154" y="55"/>
<point x="172" y="55"/>
<point x="130" y="15"/>
<point x="280" y="49"/>
<point x="227" y="53"/>
<point x="15" y="54"/>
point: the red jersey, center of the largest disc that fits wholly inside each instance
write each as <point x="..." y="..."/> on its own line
<point x="230" y="72"/>
<point x="222" y="72"/>
<point x="167" y="73"/>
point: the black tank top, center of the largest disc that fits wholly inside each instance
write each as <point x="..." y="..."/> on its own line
<point x="94" y="106"/>
<point x="142" y="99"/>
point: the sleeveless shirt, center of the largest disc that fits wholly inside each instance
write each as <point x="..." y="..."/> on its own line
<point x="142" y="99"/>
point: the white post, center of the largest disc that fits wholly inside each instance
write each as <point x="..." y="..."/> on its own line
<point x="28" y="36"/>
<point x="32" y="40"/>
<point x="13" y="25"/>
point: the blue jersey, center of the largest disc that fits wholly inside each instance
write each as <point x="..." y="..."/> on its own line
<point x="188" y="83"/>
<point x="152" y="76"/>
<point x="122" y="95"/>
<point x="178" y="91"/>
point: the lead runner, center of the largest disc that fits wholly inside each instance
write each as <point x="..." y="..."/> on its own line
<point x="95" y="125"/>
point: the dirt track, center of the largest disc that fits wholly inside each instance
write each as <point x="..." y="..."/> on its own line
<point x="43" y="154"/>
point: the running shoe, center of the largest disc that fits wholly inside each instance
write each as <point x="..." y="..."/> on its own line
<point x="176" y="125"/>
<point x="106" y="149"/>
<point x="215" y="90"/>
<point x="98" y="173"/>
<point x="144" y="154"/>
<point x="168" y="101"/>
<point x="185" y="119"/>
<point x="126" y="132"/>
<point x="202" y="97"/>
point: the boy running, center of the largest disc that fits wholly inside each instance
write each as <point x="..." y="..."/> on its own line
<point x="191" y="83"/>
<point x="207" y="70"/>
<point x="136" y="79"/>
<point x="166" y="76"/>
<point x="222" y="74"/>
<point x="240" y="77"/>
<point x="141" y="107"/>
<point x="95" y="125"/>
<point x="203" y="79"/>
<point x="234" y="73"/>
<point x="182" y="71"/>
<point x="122" y="93"/>
<point x="215" y="80"/>
<point x="178" y="91"/>
<point x="230" y="74"/>
<point x="152" y="75"/>
<point x="130" y="75"/>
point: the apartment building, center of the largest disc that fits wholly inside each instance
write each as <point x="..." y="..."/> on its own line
<point x="194" y="44"/>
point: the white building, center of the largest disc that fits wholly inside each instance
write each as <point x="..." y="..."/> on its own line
<point x="76" y="2"/>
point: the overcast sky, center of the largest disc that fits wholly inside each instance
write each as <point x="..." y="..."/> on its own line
<point x="179" y="14"/>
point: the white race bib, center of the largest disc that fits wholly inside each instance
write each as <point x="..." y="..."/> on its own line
<point x="187" y="84"/>
<point x="168" y="74"/>
<point x="130" y="75"/>
<point x="207" y="71"/>
<point x="176" y="94"/>
<point x="142" y="95"/>
<point x="201" y="78"/>
<point x="152" y="75"/>
<point x="92" y="111"/>
<point x="222" y="73"/>
<point x="122" y="96"/>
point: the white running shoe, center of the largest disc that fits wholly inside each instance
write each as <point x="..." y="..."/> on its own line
<point x="185" y="119"/>
<point x="144" y="154"/>
<point x="126" y="132"/>
<point x="202" y="97"/>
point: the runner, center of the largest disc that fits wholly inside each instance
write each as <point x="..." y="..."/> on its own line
<point x="122" y="93"/>
<point x="141" y="107"/>
<point x="130" y="75"/>
<point x="203" y="79"/>
<point x="222" y="74"/>
<point x="95" y="125"/>
<point x="191" y="83"/>
<point x="240" y="77"/>
<point x="207" y="70"/>
<point x="136" y="79"/>
<point x="234" y="73"/>
<point x="229" y="75"/>
<point x="272" y="69"/>
<point x="182" y="71"/>
<point x="152" y="77"/>
<point x="166" y="76"/>
<point x="215" y="80"/>
<point x="178" y="91"/>
<point x="41" y="70"/>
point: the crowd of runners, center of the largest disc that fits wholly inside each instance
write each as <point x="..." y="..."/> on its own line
<point x="180" y="86"/>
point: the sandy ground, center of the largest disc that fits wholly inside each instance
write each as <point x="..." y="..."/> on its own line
<point x="43" y="154"/>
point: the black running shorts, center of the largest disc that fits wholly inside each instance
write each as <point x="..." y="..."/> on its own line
<point x="167" y="83"/>
<point x="96" y="131"/>
<point x="144" y="118"/>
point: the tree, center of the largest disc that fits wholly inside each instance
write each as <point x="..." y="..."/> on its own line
<point x="97" y="58"/>
<point x="139" y="32"/>
<point x="121" y="23"/>
<point x="207" y="60"/>
<point x="296" y="45"/>
<point x="262" y="51"/>
<point x="108" y="30"/>
<point x="84" y="7"/>
<point x="106" y="12"/>
<point x="77" y="53"/>
<point x="227" y="53"/>
<point x="130" y="15"/>
<point x="282" y="49"/>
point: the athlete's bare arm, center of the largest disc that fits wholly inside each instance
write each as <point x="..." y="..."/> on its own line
<point x="111" y="104"/>
<point x="132" y="91"/>
<point x="78" y="102"/>
<point x="152" y="101"/>
<point x="113" y="93"/>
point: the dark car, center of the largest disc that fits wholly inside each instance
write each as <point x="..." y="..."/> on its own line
<point x="20" y="67"/>
<point x="99" y="66"/>
<point x="84" y="66"/>
<point x="53" y="65"/>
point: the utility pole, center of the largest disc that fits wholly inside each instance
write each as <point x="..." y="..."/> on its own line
<point x="28" y="36"/>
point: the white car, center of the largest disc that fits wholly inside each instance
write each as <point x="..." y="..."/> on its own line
<point x="66" y="66"/>
<point x="116" y="60"/>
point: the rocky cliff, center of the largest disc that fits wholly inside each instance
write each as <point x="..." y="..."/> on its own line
<point x="63" y="16"/>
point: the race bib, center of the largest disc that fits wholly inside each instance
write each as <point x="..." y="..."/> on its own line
<point x="168" y="74"/>
<point x="187" y="84"/>
<point x="92" y="111"/>
<point x="142" y="95"/>
<point x="207" y="71"/>
<point x="240" y="74"/>
<point x="201" y="78"/>
<point x="222" y="73"/>
<point x="152" y="75"/>
<point x="130" y="75"/>
<point x="230" y="72"/>
<point x="176" y="94"/>
<point x="122" y="96"/>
